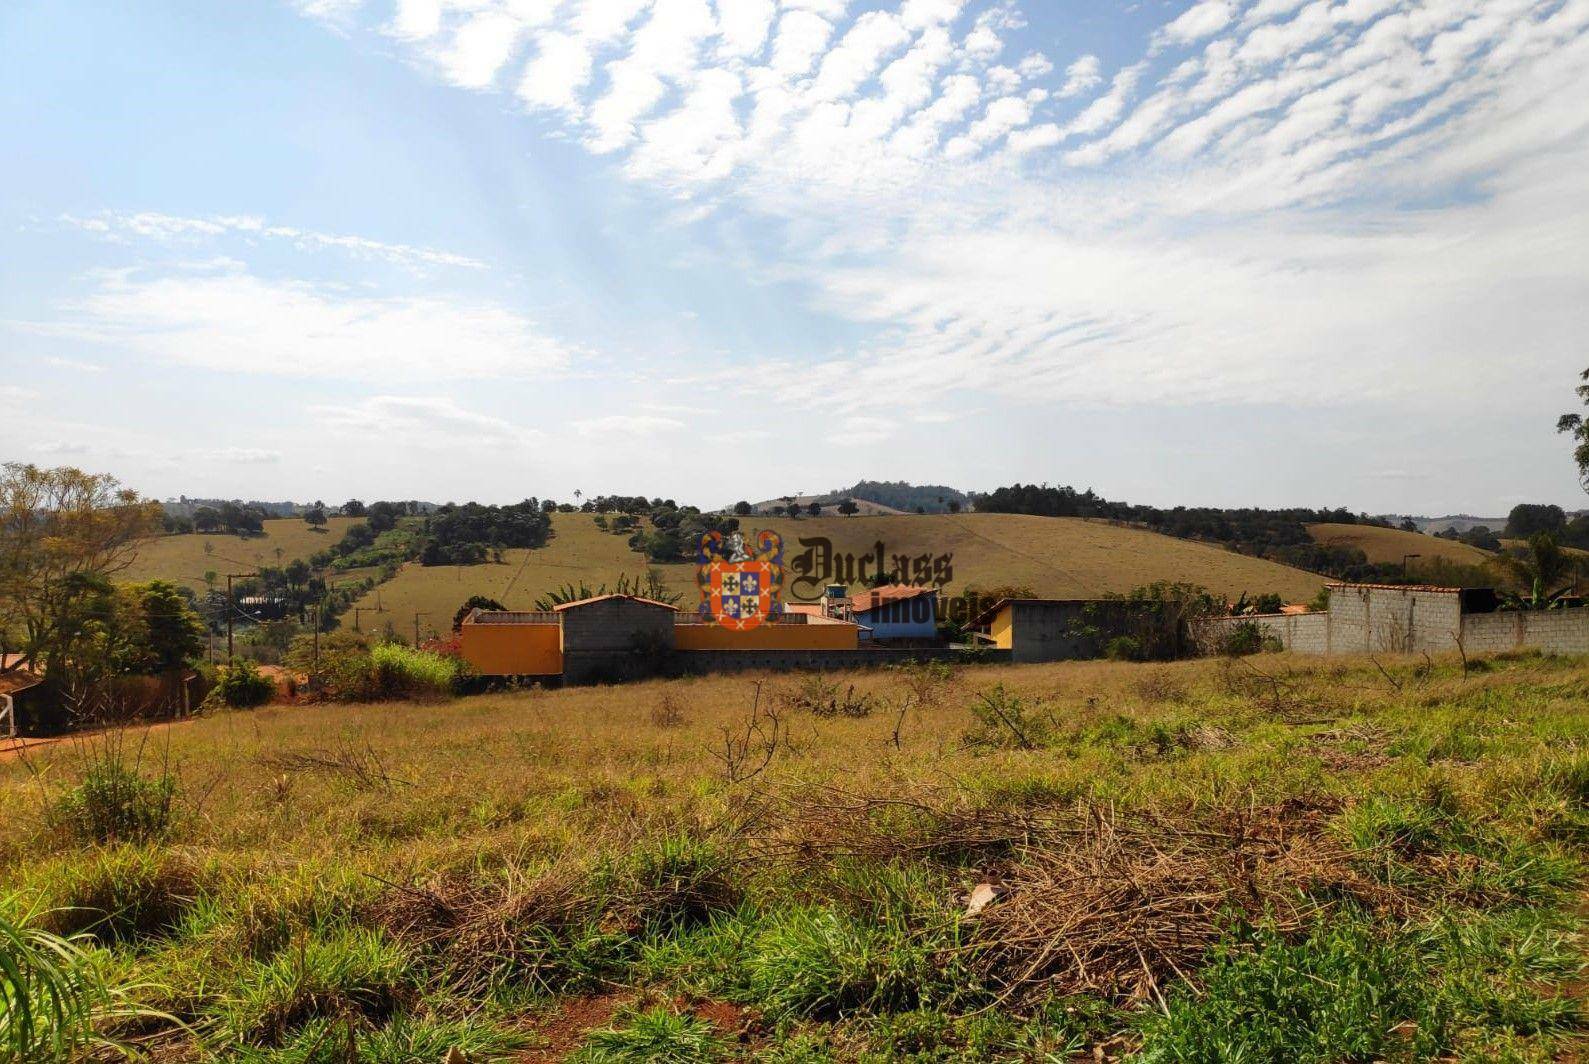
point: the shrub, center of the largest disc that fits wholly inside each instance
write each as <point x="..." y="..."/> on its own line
<point x="1123" y="648"/>
<point x="115" y="802"/>
<point x="391" y="671"/>
<point x="242" y="686"/>
<point x="1241" y="640"/>
<point x="1008" y="721"/>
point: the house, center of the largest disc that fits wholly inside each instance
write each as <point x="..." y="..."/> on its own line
<point x="617" y="637"/>
<point x="897" y="612"/>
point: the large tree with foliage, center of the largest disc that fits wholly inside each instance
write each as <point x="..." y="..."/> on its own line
<point x="63" y="533"/>
<point x="1575" y="425"/>
<point x="1545" y="572"/>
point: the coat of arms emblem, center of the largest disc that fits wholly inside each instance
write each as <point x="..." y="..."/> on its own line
<point x="740" y="586"/>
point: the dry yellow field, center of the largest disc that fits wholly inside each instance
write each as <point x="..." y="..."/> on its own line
<point x="183" y="559"/>
<point x="1055" y="557"/>
<point x="1391" y="545"/>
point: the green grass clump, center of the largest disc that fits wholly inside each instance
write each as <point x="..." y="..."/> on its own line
<point x="351" y="972"/>
<point x="123" y="894"/>
<point x="814" y="961"/>
<point x="657" y="1035"/>
<point x="1356" y="991"/>
<point x="405" y="1040"/>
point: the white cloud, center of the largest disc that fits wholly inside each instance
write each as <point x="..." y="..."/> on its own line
<point x="14" y="395"/>
<point x="246" y="456"/>
<point x="228" y="319"/>
<point x="626" y="425"/>
<point x="1235" y="223"/>
<point x="153" y="225"/>
<point x="1082" y="76"/>
<point x="1198" y="21"/>
<point x="430" y="418"/>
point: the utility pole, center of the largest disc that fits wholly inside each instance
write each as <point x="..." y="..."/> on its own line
<point x="231" y="607"/>
<point x="417" y="615"/>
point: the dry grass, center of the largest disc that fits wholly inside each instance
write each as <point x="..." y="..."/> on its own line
<point x="530" y="842"/>
<point x="1388" y="546"/>
<point x="182" y="559"/>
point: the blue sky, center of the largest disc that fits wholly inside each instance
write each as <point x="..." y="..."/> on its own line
<point x="1311" y="252"/>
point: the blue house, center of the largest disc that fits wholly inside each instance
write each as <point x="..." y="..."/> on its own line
<point x="897" y="612"/>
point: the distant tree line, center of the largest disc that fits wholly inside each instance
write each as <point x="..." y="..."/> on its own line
<point x="1278" y="535"/>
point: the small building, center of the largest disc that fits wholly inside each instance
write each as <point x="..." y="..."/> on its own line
<point x="614" y="637"/>
<point x="1037" y="630"/>
<point x="897" y="612"/>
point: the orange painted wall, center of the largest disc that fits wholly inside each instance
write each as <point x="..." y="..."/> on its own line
<point x="513" y="649"/>
<point x="767" y="637"/>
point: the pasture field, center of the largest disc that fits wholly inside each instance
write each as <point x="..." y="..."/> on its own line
<point x="1057" y="557"/>
<point x="1390" y="545"/>
<point x="183" y="559"/>
<point x="1271" y="859"/>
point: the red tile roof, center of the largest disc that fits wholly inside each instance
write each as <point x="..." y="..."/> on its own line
<point x="12" y="682"/>
<point x="870" y="600"/>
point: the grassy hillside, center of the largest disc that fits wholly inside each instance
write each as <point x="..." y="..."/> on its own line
<point x="578" y="551"/>
<point x="1352" y="863"/>
<point x="183" y="559"/>
<point x="1056" y="557"/>
<point x="1391" y="545"/>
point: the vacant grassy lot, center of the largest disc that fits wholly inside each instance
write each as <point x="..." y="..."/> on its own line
<point x="184" y="560"/>
<point x="1057" y="557"/>
<point x="1268" y="860"/>
<point x="1390" y="545"/>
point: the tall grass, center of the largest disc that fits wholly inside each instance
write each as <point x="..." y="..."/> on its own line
<point x="392" y="671"/>
<point x="53" y="999"/>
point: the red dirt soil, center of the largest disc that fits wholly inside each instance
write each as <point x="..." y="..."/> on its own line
<point x="565" y="1030"/>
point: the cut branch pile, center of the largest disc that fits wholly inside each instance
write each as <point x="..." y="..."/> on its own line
<point x="1090" y="899"/>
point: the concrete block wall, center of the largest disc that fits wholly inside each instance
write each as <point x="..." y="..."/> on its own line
<point x="1386" y="620"/>
<point x="1301" y="633"/>
<point x="1557" y="631"/>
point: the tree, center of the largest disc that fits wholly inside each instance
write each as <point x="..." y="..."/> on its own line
<point x="63" y="533"/>
<point x="475" y="602"/>
<point x="815" y="509"/>
<point x="954" y="506"/>
<point x="1545" y="572"/>
<point x="1529" y="519"/>
<point x="848" y="508"/>
<point x="316" y="517"/>
<point x="1575" y="425"/>
<point x="206" y="519"/>
<point x="1409" y="525"/>
<point x="792" y="509"/>
<point x="353" y="508"/>
<point x="743" y="508"/>
<point x="158" y="629"/>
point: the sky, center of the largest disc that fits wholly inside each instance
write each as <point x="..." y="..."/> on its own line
<point x="1202" y="252"/>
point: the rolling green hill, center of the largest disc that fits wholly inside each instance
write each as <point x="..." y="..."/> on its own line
<point x="1055" y="557"/>
<point x="184" y="559"/>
